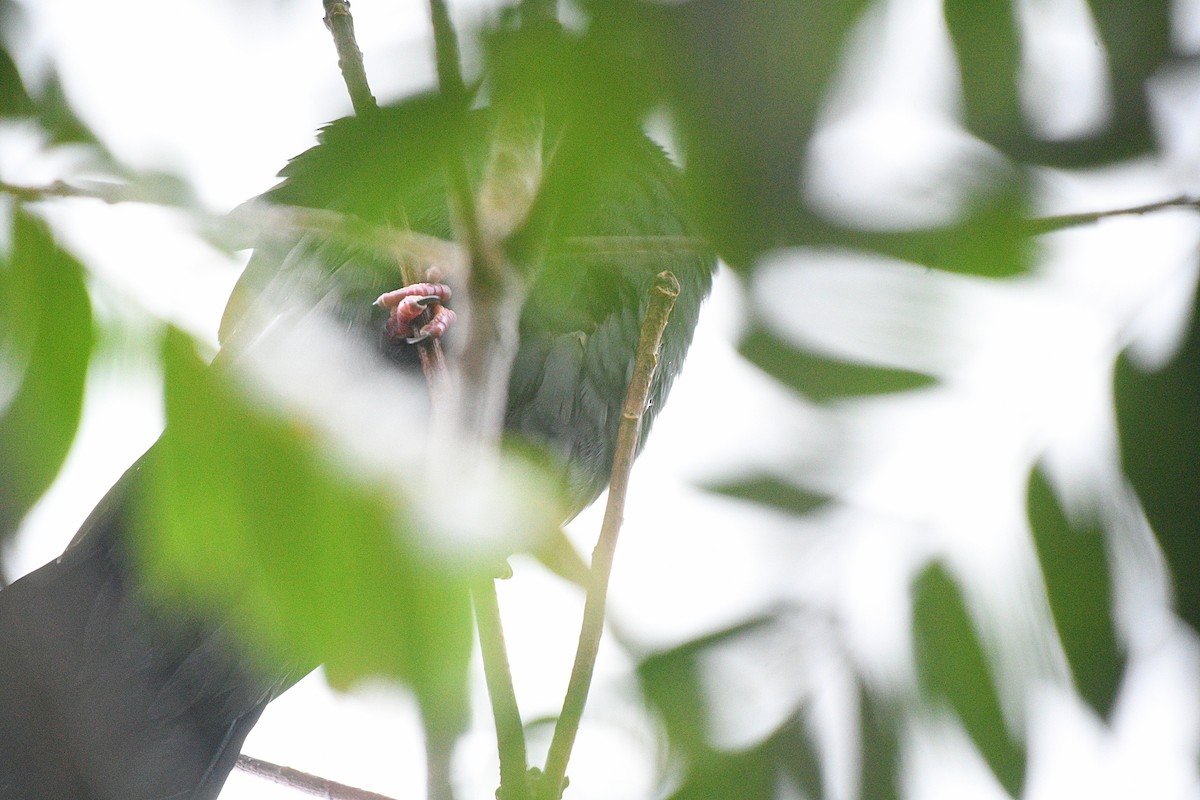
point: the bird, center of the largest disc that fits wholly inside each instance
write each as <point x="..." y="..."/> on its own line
<point x="104" y="694"/>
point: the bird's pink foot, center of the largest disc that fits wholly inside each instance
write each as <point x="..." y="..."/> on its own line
<point x="407" y="304"/>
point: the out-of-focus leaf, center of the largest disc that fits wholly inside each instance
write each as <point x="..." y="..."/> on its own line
<point x="953" y="669"/>
<point x="14" y="100"/>
<point x="673" y="685"/>
<point x="60" y="120"/>
<point x="746" y="81"/>
<point x="822" y="378"/>
<point x="46" y="337"/>
<point x="1158" y="418"/>
<point x="373" y="165"/>
<point x="992" y="240"/>
<point x="984" y="34"/>
<point x="671" y="681"/>
<point x="786" y="756"/>
<point x="1137" y="38"/>
<point x="880" y="750"/>
<point x="769" y="490"/>
<point x="245" y="515"/>
<point x="1078" y="585"/>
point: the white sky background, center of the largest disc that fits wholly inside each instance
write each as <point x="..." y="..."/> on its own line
<point x="225" y="92"/>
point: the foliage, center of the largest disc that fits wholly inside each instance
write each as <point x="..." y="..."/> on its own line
<point x="316" y="556"/>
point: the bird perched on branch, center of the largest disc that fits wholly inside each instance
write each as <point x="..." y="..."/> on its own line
<point x="104" y="694"/>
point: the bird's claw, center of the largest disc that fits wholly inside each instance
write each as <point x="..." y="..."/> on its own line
<point x="407" y="305"/>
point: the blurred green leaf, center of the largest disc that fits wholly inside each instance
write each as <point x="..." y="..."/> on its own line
<point x="1158" y="420"/>
<point x="1137" y="39"/>
<point x="14" y="100"/>
<point x="986" y="37"/>
<point x="1137" y="35"/>
<point x="673" y="685"/>
<point x="1079" y="587"/>
<point x="746" y="81"/>
<point x="953" y="668"/>
<point x="374" y="166"/>
<point x="880" y="748"/>
<point x="991" y="241"/>
<point x="784" y="758"/>
<point x="46" y="340"/>
<point x="247" y="516"/>
<point x="770" y="490"/>
<point x="821" y="378"/>
<point x="984" y="34"/>
<point x="59" y="119"/>
<point x="671" y="681"/>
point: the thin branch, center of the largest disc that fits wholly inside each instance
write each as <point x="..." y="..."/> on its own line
<point x="477" y="411"/>
<point x="304" y="782"/>
<point x="510" y="731"/>
<point x="1042" y="225"/>
<point x="662" y="301"/>
<point x="109" y="192"/>
<point x="350" y="59"/>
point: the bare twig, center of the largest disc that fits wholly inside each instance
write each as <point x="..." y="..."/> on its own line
<point x="1050" y="224"/>
<point x="350" y="59"/>
<point x="510" y="731"/>
<point x="32" y="194"/>
<point x="110" y="192"/>
<point x="662" y="301"/>
<point x="304" y="782"/>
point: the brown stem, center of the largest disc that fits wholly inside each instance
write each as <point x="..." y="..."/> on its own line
<point x="350" y="59"/>
<point x="662" y="301"/>
<point x="304" y="782"/>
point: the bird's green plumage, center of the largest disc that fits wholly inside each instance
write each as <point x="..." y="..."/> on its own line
<point x="189" y="695"/>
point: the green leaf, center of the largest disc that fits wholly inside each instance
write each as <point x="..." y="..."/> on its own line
<point x="821" y="378"/>
<point x="46" y="338"/>
<point x="880" y="753"/>
<point x="952" y="668"/>
<point x="1079" y="587"/>
<point x="987" y="44"/>
<point x="14" y="100"/>
<point x="769" y="490"/>
<point x="747" y="115"/>
<point x="1158" y="419"/>
<point x="673" y="685"/>
<point x="1133" y="59"/>
<point x="991" y="241"/>
<point x="993" y="238"/>
<point x="59" y="118"/>
<point x="671" y="682"/>
<point x="757" y="772"/>
<point x="984" y="34"/>
<point x="247" y="517"/>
